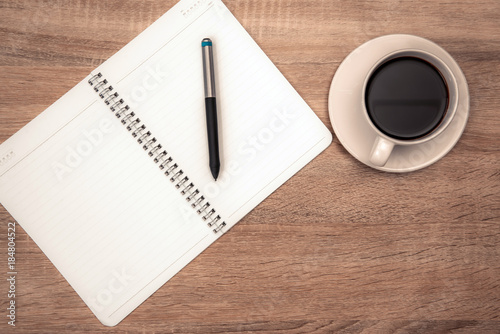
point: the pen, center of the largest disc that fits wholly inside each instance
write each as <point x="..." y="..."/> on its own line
<point x="211" y="106"/>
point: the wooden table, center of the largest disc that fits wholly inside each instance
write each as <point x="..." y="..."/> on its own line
<point x="340" y="247"/>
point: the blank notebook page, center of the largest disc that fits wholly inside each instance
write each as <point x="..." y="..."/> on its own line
<point x="113" y="223"/>
<point x="264" y="125"/>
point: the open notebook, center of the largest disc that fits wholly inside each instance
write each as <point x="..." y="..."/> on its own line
<point x="112" y="180"/>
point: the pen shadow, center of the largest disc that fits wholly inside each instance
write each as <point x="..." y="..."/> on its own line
<point x="220" y="111"/>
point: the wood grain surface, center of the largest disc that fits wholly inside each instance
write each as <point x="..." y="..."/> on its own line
<point x="340" y="248"/>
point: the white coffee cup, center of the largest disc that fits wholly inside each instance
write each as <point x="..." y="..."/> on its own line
<point x="384" y="144"/>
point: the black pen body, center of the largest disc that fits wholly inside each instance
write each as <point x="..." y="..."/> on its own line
<point x="213" y="136"/>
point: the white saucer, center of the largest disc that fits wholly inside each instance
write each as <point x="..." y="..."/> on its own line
<point x="347" y="114"/>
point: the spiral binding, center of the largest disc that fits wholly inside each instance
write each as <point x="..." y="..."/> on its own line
<point x="165" y="162"/>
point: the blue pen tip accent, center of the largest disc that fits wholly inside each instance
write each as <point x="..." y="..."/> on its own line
<point x="206" y="42"/>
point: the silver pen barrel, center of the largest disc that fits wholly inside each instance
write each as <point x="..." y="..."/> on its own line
<point x="208" y="67"/>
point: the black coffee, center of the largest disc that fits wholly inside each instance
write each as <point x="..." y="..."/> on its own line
<point x="406" y="98"/>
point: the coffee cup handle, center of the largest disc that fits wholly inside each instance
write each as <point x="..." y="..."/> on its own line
<point x="381" y="151"/>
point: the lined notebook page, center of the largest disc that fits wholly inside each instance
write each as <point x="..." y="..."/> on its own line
<point x="265" y="126"/>
<point x="102" y="212"/>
